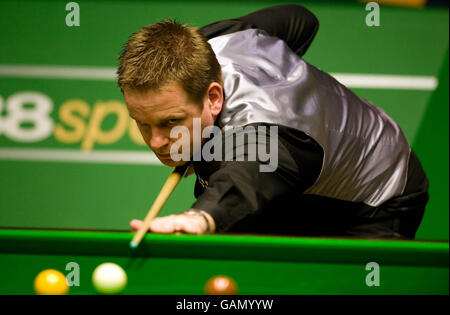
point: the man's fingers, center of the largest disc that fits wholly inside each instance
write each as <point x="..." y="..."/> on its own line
<point x="176" y="223"/>
<point x="136" y="224"/>
<point x="173" y="224"/>
<point x="192" y="225"/>
<point x="158" y="225"/>
<point x="163" y="225"/>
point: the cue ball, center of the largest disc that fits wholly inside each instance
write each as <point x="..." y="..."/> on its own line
<point x="109" y="278"/>
<point x="50" y="282"/>
<point x="221" y="285"/>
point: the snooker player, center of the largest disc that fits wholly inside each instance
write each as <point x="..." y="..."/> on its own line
<point x="344" y="167"/>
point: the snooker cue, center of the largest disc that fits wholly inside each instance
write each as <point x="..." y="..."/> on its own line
<point x="169" y="186"/>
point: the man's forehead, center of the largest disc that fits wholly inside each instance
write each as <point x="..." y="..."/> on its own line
<point x="151" y="98"/>
<point x="169" y="89"/>
<point x="156" y="112"/>
<point x="158" y="104"/>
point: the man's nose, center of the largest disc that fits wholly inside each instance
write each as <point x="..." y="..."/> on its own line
<point x="158" y="139"/>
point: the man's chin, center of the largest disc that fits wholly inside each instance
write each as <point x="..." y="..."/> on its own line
<point x="171" y="163"/>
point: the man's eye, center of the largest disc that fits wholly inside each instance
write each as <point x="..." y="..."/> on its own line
<point x="172" y="121"/>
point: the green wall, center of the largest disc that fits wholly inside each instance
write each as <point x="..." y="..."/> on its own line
<point x="431" y="144"/>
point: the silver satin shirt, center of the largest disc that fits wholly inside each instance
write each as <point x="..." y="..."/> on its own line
<point x="365" y="152"/>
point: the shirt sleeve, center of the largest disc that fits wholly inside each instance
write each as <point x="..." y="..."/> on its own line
<point x="237" y="190"/>
<point x="294" y="24"/>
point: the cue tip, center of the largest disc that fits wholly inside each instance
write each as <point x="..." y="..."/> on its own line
<point x="133" y="245"/>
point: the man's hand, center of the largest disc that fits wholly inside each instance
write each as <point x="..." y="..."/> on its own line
<point x="191" y="224"/>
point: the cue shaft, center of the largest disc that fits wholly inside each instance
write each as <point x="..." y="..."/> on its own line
<point x="169" y="186"/>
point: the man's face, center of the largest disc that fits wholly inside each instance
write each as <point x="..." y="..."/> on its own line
<point x="158" y="111"/>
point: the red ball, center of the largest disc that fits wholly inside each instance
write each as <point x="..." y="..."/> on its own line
<point x="221" y="285"/>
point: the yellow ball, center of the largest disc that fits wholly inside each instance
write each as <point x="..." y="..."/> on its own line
<point x="50" y="282"/>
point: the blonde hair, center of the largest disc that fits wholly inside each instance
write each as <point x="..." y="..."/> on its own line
<point x="168" y="52"/>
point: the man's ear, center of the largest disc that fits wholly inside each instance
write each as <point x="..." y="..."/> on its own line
<point x="215" y="98"/>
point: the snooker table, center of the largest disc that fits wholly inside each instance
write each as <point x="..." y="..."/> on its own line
<point x="268" y="265"/>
